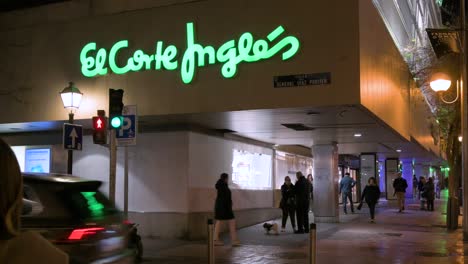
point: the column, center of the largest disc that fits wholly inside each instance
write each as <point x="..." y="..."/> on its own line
<point x="325" y="171"/>
<point x="421" y="170"/>
<point x="407" y="174"/>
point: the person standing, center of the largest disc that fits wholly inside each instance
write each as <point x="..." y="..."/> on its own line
<point x="399" y="186"/>
<point x="302" y="191"/>
<point x="422" y="194"/>
<point x="346" y="187"/>
<point x="311" y="181"/>
<point x="223" y="211"/>
<point x="16" y="246"/>
<point x="288" y="203"/>
<point x="430" y="194"/>
<point x="371" y="195"/>
<point x="415" y="186"/>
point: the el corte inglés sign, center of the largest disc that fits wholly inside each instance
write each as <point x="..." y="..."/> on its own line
<point x="96" y="61"/>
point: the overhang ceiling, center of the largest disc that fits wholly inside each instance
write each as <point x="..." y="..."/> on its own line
<point x="325" y="124"/>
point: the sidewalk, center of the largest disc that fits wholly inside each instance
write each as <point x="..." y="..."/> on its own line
<point x="414" y="236"/>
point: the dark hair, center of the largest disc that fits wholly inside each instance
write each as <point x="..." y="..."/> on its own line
<point x="346" y="174"/>
<point x="373" y="179"/>
<point x="224" y="176"/>
<point x="11" y="191"/>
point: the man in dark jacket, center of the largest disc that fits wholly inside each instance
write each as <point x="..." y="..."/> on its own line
<point x="302" y="190"/>
<point x="400" y="185"/>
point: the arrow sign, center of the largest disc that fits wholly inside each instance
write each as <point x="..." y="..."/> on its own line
<point x="72" y="136"/>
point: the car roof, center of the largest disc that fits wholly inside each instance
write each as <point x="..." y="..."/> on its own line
<point x="56" y="177"/>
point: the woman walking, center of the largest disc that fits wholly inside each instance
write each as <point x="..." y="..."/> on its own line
<point x="288" y="203"/>
<point x="430" y="194"/>
<point x="223" y="211"/>
<point x="371" y="195"/>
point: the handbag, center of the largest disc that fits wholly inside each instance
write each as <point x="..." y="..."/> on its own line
<point x="291" y="202"/>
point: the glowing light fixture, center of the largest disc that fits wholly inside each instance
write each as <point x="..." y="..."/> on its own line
<point x="398" y="150"/>
<point x="357" y="135"/>
<point x="440" y="82"/>
<point x="71" y="96"/>
<point x="460" y="138"/>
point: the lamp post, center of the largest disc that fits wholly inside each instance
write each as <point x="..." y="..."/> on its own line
<point x="440" y="83"/>
<point x="464" y="116"/>
<point x="447" y="41"/>
<point x="71" y="99"/>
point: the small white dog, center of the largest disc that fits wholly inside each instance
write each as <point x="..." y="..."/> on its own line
<point x="273" y="228"/>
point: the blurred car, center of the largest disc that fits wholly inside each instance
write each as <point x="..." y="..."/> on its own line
<point x="75" y="216"/>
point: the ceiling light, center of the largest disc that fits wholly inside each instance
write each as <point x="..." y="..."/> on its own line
<point x="398" y="150"/>
<point x="358" y="135"/>
<point x="460" y="138"/>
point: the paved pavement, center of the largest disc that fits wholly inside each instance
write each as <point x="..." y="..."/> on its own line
<point x="414" y="236"/>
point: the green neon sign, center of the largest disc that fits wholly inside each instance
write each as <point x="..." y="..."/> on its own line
<point x="230" y="54"/>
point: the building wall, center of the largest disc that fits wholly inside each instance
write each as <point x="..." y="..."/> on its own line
<point x="384" y="76"/>
<point x="157" y="171"/>
<point x="424" y="128"/>
<point x="203" y="175"/>
<point x="41" y="55"/>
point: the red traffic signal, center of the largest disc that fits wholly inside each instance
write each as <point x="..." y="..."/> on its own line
<point x="100" y="128"/>
<point x="99" y="123"/>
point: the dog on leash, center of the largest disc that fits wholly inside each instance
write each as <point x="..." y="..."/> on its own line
<point x="273" y="228"/>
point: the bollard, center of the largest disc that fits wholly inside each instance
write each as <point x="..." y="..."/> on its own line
<point x="211" y="259"/>
<point x="313" y="244"/>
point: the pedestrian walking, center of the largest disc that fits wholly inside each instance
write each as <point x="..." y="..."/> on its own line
<point x="311" y="202"/>
<point x="371" y="195"/>
<point x="422" y="194"/>
<point x="399" y="186"/>
<point x="16" y="246"/>
<point x="415" y="186"/>
<point x="346" y="188"/>
<point x="288" y="203"/>
<point x="430" y="193"/>
<point x="302" y="191"/>
<point x="223" y="211"/>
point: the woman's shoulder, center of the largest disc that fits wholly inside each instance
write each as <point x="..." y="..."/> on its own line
<point x="30" y="246"/>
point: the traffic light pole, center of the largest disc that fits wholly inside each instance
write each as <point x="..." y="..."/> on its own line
<point x="126" y="182"/>
<point x="112" y="166"/>
<point x="70" y="152"/>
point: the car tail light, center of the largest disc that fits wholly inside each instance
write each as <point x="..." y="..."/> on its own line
<point x="78" y="234"/>
<point x="127" y="222"/>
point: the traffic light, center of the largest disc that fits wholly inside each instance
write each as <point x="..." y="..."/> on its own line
<point x="115" y="108"/>
<point x="100" y="128"/>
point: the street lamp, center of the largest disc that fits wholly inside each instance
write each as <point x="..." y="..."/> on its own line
<point x="440" y="82"/>
<point x="71" y="99"/>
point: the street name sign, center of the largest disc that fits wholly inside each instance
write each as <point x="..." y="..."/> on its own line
<point x="302" y="80"/>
